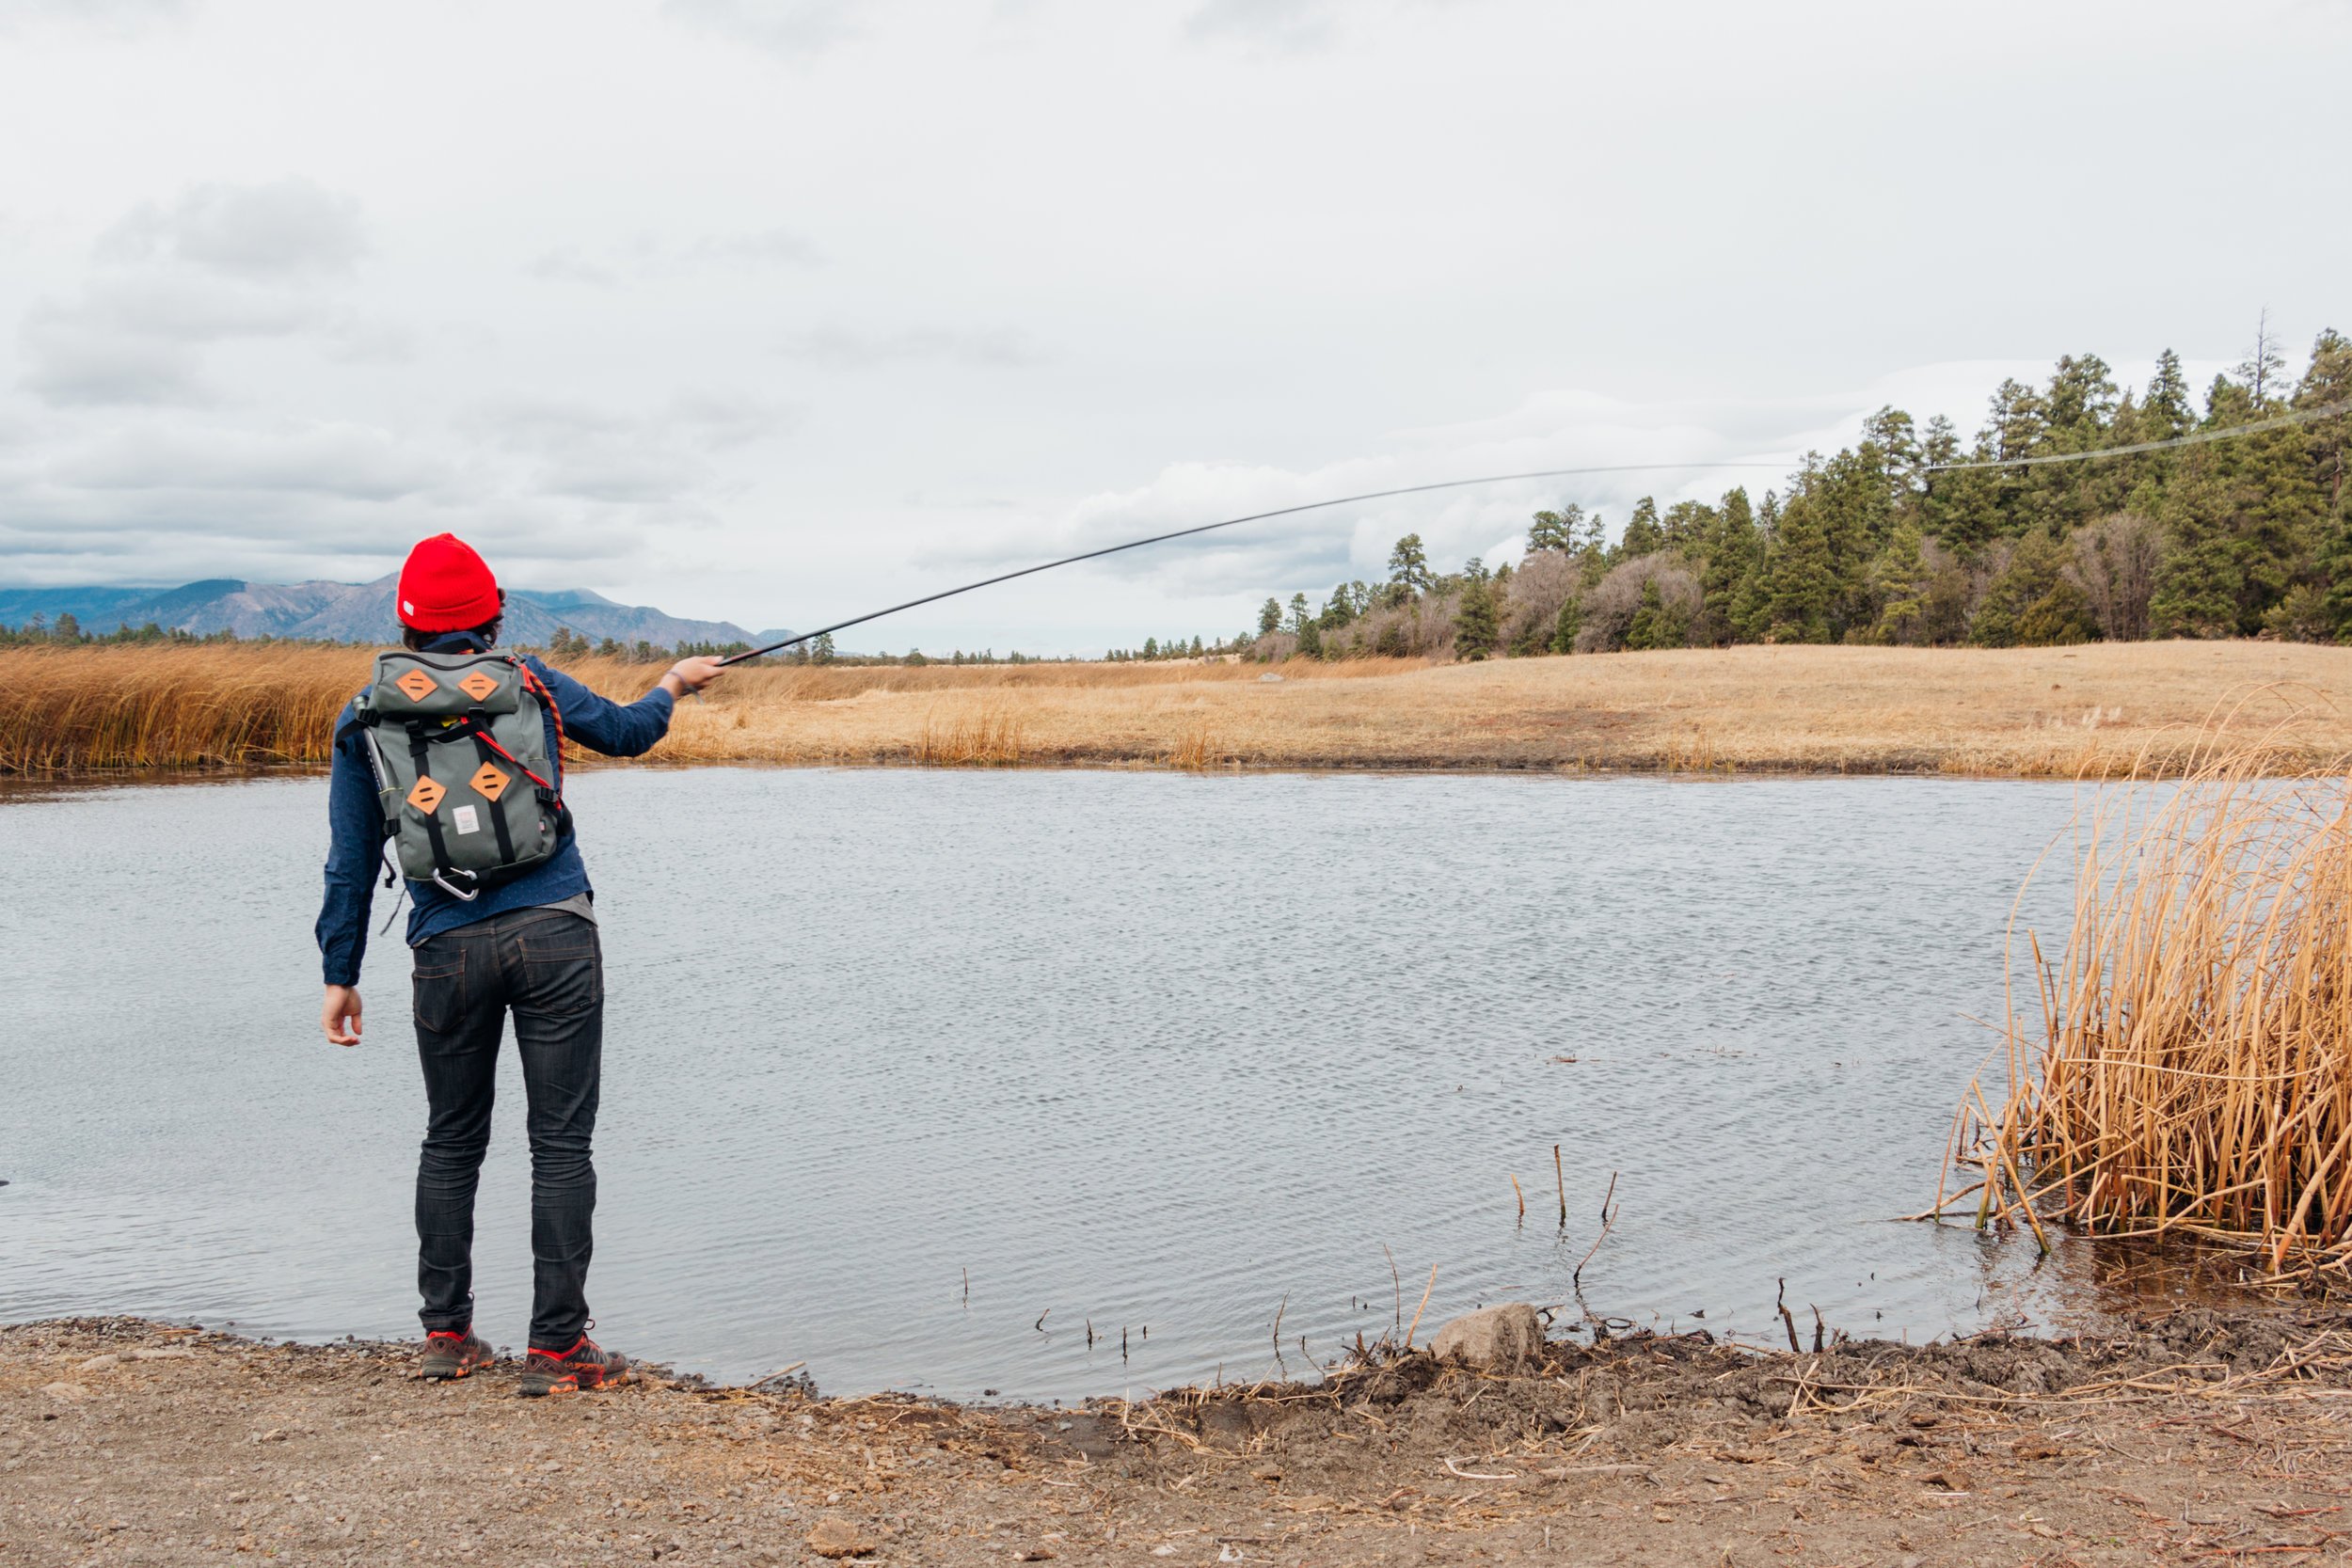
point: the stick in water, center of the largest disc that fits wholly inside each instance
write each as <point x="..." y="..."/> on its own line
<point x="1561" y="1177"/>
<point x="1608" y="1220"/>
<point x="1423" y="1306"/>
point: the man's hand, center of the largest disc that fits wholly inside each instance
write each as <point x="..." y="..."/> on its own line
<point x="691" y="674"/>
<point x="340" y="1016"/>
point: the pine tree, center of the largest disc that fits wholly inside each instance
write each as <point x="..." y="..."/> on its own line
<point x="1655" y="624"/>
<point x="2335" y="564"/>
<point x="1733" y="552"/>
<point x="2165" y="413"/>
<point x="2078" y="411"/>
<point x="1690" y="527"/>
<point x="1796" y="585"/>
<point x="1475" y="620"/>
<point x="2198" y="581"/>
<point x="1269" y="617"/>
<point x="1408" y="567"/>
<point x="1560" y="530"/>
<point x="1643" y="533"/>
<point x="1567" y="625"/>
<point x="1903" y="582"/>
<point x="2032" y="602"/>
<point x="2328" y="384"/>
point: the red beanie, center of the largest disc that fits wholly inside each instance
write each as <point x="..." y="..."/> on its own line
<point x="445" y="587"/>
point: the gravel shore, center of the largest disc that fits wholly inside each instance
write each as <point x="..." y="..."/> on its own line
<point x="2202" y="1437"/>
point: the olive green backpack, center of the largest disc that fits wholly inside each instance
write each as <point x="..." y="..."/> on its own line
<point x="459" y="747"/>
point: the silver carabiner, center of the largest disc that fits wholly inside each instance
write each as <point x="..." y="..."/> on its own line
<point x="453" y="891"/>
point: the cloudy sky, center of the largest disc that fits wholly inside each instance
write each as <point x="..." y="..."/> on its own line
<point x="780" y="309"/>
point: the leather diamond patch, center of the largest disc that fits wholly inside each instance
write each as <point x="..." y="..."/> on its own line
<point x="418" y="684"/>
<point x="427" y="796"/>
<point x="489" y="783"/>
<point x="478" y="686"/>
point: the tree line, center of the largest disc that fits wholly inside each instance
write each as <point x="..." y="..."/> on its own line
<point x="67" y="630"/>
<point x="2242" y="537"/>
<point x="565" y="647"/>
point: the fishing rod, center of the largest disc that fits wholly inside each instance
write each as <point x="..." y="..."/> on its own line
<point x="1233" y="522"/>
<point x="2299" y="417"/>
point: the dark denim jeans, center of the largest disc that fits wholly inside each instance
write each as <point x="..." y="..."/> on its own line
<point x="544" y="966"/>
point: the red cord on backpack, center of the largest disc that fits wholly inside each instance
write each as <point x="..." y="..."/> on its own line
<point x="555" y="712"/>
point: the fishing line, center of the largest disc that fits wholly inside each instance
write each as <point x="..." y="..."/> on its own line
<point x="2297" y="417"/>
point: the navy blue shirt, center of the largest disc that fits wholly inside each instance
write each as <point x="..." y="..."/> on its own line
<point x="355" y="821"/>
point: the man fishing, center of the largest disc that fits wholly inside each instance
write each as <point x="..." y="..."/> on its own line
<point x="452" y="757"/>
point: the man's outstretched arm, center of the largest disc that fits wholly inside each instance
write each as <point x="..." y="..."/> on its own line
<point x="626" y="729"/>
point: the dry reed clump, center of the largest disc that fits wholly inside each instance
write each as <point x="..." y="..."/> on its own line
<point x="2193" y="1072"/>
<point x="99" y="708"/>
<point x="991" y="738"/>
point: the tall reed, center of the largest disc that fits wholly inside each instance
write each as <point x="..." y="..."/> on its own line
<point x="2192" y="1068"/>
<point x="98" y="708"/>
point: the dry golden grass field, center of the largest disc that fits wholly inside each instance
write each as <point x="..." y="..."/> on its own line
<point x="2093" y="709"/>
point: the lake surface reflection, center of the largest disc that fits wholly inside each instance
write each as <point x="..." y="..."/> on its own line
<point x="1127" y="1051"/>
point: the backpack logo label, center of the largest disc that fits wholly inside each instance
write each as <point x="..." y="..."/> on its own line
<point x="478" y="686"/>
<point x="427" y="795"/>
<point x="489" y="783"/>
<point x="467" y="820"/>
<point x="418" y="684"/>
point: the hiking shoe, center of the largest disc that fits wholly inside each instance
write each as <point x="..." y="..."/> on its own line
<point x="586" y="1365"/>
<point x="450" y="1353"/>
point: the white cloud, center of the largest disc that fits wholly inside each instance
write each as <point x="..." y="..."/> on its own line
<point x="575" y="449"/>
<point x="842" y="348"/>
<point x="1282" y="24"/>
<point x="288" y="229"/>
<point x="121" y="18"/>
<point x="784" y="26"/>
<point x="777" y="246"/>
<point x="220" y="265"/>
<point x="644" y="259"/>
<point x="351" y="462"/>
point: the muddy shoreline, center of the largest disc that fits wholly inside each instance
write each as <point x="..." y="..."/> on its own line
<point x="2202" y="1436"/>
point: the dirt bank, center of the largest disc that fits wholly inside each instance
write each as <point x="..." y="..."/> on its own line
<point x="2206" y="1437"/>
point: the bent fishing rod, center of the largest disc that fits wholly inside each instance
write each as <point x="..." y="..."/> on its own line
<point x="2299" y="417"/>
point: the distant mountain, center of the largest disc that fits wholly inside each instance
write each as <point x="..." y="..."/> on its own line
<point x="349" y="613"/>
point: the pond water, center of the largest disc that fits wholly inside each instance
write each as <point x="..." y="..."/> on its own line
<point x="916" y="1076"/>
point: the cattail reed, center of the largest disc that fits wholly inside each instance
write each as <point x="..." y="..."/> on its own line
<point x="2191" y="1068"/>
